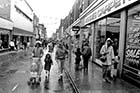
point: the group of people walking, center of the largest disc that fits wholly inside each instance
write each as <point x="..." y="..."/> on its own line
<point x="85" y="52"/>
<point x="109" y="58"/>
<point x="60" y="56"/>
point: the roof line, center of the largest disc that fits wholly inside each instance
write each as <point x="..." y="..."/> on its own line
<point x="28" y="5"/>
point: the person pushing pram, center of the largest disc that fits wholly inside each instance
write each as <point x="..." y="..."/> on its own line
<point x="36" y="65"/>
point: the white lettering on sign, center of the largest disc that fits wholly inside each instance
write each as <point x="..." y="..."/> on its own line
<point x="108" y="7"/>
<point x="133" y="53"/>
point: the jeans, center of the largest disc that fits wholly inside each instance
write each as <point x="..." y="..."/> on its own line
<point x="61" y="66"/>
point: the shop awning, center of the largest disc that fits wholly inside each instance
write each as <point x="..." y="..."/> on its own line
<point x="21" y="32"/>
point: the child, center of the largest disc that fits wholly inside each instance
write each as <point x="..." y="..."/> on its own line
<point x="115" y="64"/>
<point x="48" y="62"/>
<point x="35" y="71"/>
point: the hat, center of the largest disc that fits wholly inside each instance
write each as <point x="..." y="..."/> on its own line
<point x="108" y="39"/>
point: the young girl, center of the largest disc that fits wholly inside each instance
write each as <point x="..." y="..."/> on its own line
<point x="48" y="62"/>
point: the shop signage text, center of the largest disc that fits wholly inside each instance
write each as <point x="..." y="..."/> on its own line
<point x="133" y="55"/>
<point x="108" y="7"/>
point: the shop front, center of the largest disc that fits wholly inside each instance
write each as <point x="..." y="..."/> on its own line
<point x="120" y="21"/>
<point x="131" y="66"/>
<point x="6" y="27"/>
<point x="4" y="38"/>
<point x="21" y="37"/>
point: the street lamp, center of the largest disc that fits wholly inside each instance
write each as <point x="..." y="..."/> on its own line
<point x="76" y="29"/>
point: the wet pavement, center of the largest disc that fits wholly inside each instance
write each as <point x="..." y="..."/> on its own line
<point x="91" y="81"/>
<point x="13" y="79"/>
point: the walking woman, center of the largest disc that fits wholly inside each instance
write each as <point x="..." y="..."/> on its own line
<point x="78" y="57"/>
<point x="108" y="52"/>
<point x="86" y="56"/>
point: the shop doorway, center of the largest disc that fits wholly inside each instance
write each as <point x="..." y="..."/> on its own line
<point x="113" y="30"/>
<point x="108" y="27"/>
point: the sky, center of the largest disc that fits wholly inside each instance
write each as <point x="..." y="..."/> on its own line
<point x="50" y="12"/>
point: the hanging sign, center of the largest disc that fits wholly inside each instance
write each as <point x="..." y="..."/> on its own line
<point x="75" y="28"/>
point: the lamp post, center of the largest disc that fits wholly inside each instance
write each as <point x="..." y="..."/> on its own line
<point x="76" y="29"/>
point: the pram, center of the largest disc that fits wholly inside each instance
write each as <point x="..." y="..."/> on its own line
<point x="35" y="72"/>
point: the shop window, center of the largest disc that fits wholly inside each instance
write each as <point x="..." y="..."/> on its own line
<point x="5" y="40"/>
<point x="107" y="28"/>
<point x="132" y="55"/>
<point x="113" y="30"/>
<point x="100" y="28"/>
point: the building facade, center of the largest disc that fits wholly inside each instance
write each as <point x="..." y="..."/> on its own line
<point x="42" y="32"/>
<point x="36" y="25"/>
<point x="6" y="24"/>
<point x="21" y="15"/>
<point x="118" y="20"/>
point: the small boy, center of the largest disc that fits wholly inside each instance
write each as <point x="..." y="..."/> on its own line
<point x="115" y="66"/>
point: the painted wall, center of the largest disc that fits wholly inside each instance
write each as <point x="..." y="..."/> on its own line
<point x="18" y="19"/>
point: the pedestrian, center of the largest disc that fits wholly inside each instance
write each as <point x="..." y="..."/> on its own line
<point x="50" y="48"/>
<point x="78" y="57"/>
<point x="60" y="58"/>
<point x="12" y="45"/>
<point x="1" y="44"/>
<point x="48" y="62"/>
<point x="28" y="45"/>
<point x="108" y="53"/>
<point x="116" y="61"/>
<point x="115" y="68"/>
<point x="37" y="53"/>
<point x="25" y="45"/>
<point x="86" y="56"/>
<point x="36" y="65"/>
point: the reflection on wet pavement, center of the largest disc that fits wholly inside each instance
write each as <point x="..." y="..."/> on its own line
<point x="14" y="80"/>
<point x="91" y="81"/>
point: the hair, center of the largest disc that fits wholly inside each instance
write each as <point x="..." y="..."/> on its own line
<point x="48" y="56"/>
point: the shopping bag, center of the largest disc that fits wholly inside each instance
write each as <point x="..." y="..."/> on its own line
<point x="103" y="58"/>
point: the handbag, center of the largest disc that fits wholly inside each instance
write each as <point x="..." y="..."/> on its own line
<point x="103" y="58"/>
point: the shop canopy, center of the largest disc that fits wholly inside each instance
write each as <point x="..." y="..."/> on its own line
<point x="21" y="32"/>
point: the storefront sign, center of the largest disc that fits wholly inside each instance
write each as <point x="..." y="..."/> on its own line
<point x="75" y="28"/>
<point x="107" y="8"/>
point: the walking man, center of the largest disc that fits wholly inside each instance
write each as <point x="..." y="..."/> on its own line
<point x="60" y="58"/>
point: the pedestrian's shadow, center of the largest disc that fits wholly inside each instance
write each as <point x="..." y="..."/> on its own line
<point x="85" y="80"/>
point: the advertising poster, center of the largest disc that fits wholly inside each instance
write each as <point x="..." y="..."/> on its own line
<point x="133" y="44"/>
